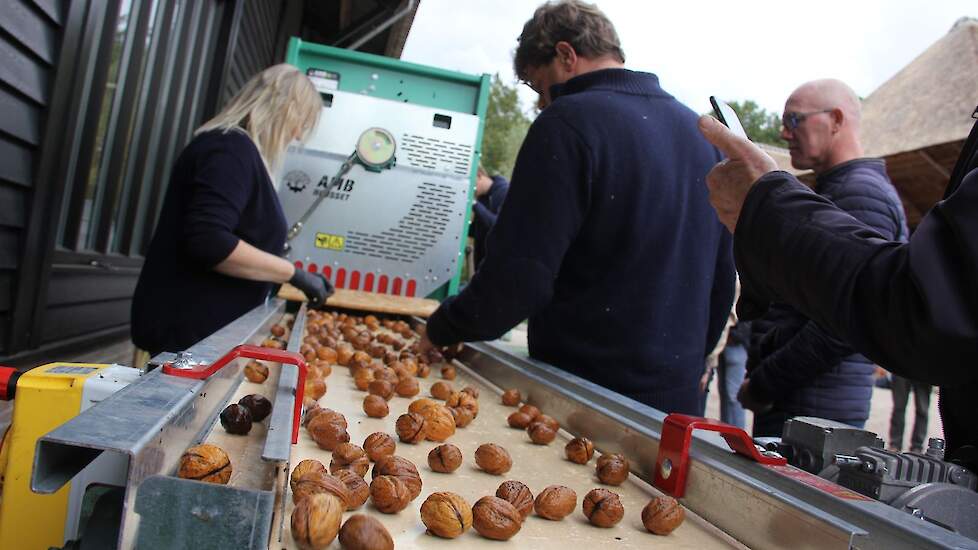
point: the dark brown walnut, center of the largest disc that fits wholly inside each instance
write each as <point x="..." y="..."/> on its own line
<point x="512" y="397"/>
<point x="327" y="431"/>
<point x="256" y="372"/>
<point x="408" y="387"/>
<point x="316" y="521"/>
<point x="378" y="445"/>
<point x="493" y="459"/>
<point x="347" y="456"/>
<point x="519" y="420"/>
<point x="398" y="345"/>
<point x="259" y="407"/>
<point x="441" y="390"/>
<point x="540" y="433"/>
<point x="463" y="417"/>
<point x="496" y="518"/>
<point x="448" y="372"/>
<point x="307" y="466"/>
<point x="381" y="388"/>
<point x="362" y="532"/>
<point x="358" y="490"/>
<point x="236" y="419"/>
<point x="612" y="469"/>
<point x="375" y="406"/>
<point x="205" y="462"/>
<point x="518" y="495"/>
<point x="389" y="494"/>
<point x="424" y="371"/>
<point x="549" y="421"/>
<point x="446" y="515"/>
<point x="662" y="515"/>
<point x="602" y="508"/>
<point x="439" y="423"/>
<point x="402" y="469"/>
<point x="555" y="502"/>
<point x="530" y="410"/>
<point x="579" y="450"/>
<point x="321" y="482"/>
<point x="278" y="331"/>
<point x="411" y="427"/>
<point x="315" y="388"/>
<point x="472" y="391"/>
<point x="445" y="458"/>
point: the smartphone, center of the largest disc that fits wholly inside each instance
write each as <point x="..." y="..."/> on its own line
<point x="728" y="117"/>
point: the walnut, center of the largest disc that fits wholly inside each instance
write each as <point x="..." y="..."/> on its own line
<point x="328" y="431"/>
<point x="311" y="412"/>
<point x="463" y="417"/>
<point x="378" y="445"/>
<point x="441" y="390"/>
<point x="446" y="515"/>
<point x="603" y="508"/>
<point x="411" y="427"/>
<point x="307" y="466"/>
<point x="472" y="391"/>
<point x="320" y="482"/>
<point x="256" y="371"/>
<point x="362" y="378"/>
<point x="439" y="423"/>
<point x="347" y="456"/>
<point x="356" y="486"/>
<point x="419" y="405"/>
<point x="273" y="343"/>
<point x="205" y="462"/>
<point x="530" y="410"/>
<point x="662" y="515"/>
<point x="445" y="458"/>
<point x="389" y="357"/>
<point x="424" y="371"/>
<point x="389" y="494"/>
<point x="493" y="459"/>
<point x="361" y="357"/>
<point x="315" y="388"/>
<point x="401" y="468"/>
<point x="376" y="351"/>
<point x="540" y="433"/>
<point x="579" y="450"/>
<point x="344" y="354"/>
<point x="463" y="400"/>
<point x="316" y="521"/>
<point x="519" y="420"/>
<point x="511" y="397"/>
<point x="555" y="502"/>
<point x="612" y="469"/>
<point x="495" y="518"/>
<point x="448" y="372"/>
<point x="326" y="354"/>
<point x="381" y="388"/>
<point x="362" y="532"/>
<point x="408" y="387"/>
<point x="319" y="369"/>
<point x="375" y="406"/>
<point x="278" y="331"/>
<point x="259" y="406"/>
<point x="387" y="374"/>
<point x="236" y="419"/>
<point x="518" y="495"/>
<point x="549" y="421"/>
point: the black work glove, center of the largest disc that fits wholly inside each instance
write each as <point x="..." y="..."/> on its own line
<point x="316" y="287"/>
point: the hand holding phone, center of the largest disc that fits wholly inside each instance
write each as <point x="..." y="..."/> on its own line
<point x="728" y="117"/>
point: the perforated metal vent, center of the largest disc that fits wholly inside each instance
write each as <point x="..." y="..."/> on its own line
<point x="436" y="154"/>
<point x="414" y="234"/>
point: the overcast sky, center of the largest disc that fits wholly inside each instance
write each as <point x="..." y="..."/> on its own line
<point x="758" y="50"/>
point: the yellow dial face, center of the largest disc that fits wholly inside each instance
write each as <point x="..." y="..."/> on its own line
<point x="376" y="147"/>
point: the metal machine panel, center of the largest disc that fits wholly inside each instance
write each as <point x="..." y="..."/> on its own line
<point x="395" y="231"/>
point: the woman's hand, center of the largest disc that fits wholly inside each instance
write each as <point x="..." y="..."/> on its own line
<point x="314" y="285"/>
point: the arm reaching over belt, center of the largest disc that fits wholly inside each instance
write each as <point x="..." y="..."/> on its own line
<point x="543" y="212"/>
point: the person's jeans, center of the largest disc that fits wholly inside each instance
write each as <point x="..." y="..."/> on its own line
<point x="731" y="370"/>
<point x="901" y="388"/>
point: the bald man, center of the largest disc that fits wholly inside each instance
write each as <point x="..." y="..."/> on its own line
<point x="795" y="367"/>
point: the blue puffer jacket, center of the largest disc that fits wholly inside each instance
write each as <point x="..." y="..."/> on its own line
<point x="793" y="362"/>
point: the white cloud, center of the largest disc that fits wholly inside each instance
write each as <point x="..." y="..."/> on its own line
<point x="758" y="50"/>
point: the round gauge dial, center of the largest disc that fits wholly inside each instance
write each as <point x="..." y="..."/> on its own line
<point x="376" y="148"/>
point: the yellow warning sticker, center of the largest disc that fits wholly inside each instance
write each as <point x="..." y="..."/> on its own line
<point x="331" y="242"/>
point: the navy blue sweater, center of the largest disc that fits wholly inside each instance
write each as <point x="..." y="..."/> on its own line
<point x="484" y="211"/>
<point x="219" y="193"/>
<point x="608" y="244"/>
<point x="794" y="362"/>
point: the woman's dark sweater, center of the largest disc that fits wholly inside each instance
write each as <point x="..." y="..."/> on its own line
<point x="219" y="193"/>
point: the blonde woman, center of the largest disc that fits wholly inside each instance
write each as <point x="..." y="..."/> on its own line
<point x="215" y="253"/>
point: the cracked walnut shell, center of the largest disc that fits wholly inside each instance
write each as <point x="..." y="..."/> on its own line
<point x="518" y="495"/>
<point x="347" y="456"/>
<point x="401" y="468"/>
<point x="378" y="445"/>
<point x="205" y="462"/>
<point x="446" y="515"/>
<point x="389" y="494"/>
<point x="579" y="450"/>
<point x="411" y="427"/>
<point x="358" y="490"/>
<point x="662" y="515"/>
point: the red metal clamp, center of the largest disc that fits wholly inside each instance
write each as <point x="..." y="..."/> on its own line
<point x="672" y="464"/>
<point x="202" y="370"/>
<point x="8" y="382"/>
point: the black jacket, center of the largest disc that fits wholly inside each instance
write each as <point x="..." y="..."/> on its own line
<point x="608" y="244"/>
<point x="795" y="364"/>
<point x="912" y="307"/>
<point x="484" y="213"/>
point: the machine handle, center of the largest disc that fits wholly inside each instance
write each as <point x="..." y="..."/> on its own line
<point x="672" y="464"/>
<point x="201" y="371"/>
<point x="8" y="382"/>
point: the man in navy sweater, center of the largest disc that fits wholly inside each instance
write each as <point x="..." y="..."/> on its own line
<point x="606" y="241"/>
<point x="490" y="191"/>
<point x="795" y="367"/>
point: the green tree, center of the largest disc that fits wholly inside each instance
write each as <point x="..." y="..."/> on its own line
<point x="506" y="126"/>
<point x="761" y="126"/>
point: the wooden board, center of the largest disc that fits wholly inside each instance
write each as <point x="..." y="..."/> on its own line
<point x="368" y="301"/>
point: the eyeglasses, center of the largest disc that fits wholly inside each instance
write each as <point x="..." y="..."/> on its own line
<point x="792" y="119"/>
